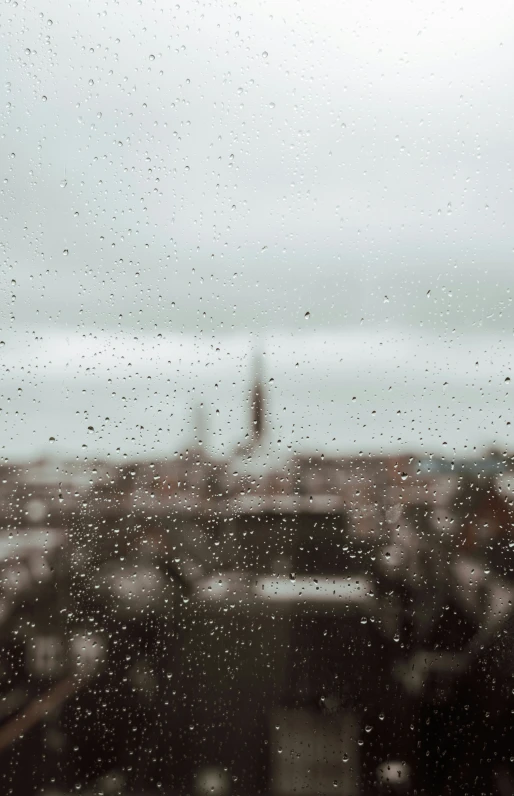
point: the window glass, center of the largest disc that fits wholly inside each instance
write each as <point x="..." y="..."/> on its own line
<point x="256" y="471"/>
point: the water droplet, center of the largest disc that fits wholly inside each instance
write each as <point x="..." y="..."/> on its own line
<point x="307" y="316"/>
<point x="65" y="252"/>
<point x="264" y="54"/>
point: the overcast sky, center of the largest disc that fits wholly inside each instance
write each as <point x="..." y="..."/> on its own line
<point x="256" y="161"/>
<point x="274" y="167"/>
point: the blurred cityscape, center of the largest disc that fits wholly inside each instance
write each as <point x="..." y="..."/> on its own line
<point x="199" y="625"/>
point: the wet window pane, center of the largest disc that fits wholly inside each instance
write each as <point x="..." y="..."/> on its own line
<point x="256" y="466"/>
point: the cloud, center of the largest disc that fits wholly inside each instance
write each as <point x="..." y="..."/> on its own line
<point x="202" y="167"/>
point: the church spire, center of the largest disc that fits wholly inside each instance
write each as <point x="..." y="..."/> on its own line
<point x="199" y="431"/>
<point x="257" y="402"/>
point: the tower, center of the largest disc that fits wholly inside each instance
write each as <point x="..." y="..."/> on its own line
<point x="199" y="428"/>
<point x="257" y="402"/>
<point x="249" y="452"/>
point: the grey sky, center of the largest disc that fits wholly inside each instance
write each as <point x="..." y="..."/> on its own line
<point x="257" y="161"/>
<point x="207" y="171"/>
